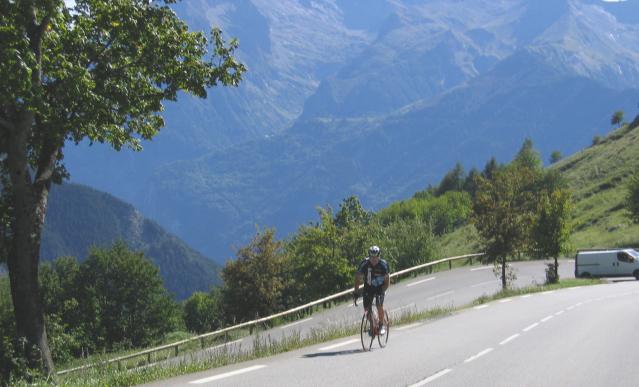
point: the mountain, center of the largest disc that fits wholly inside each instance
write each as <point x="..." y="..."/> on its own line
<point x="80" y="217"/>
<point x="373" y="98"/>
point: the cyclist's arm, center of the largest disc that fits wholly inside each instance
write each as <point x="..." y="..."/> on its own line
<point x="358" y="281"/>
<point x="386" y="282"/>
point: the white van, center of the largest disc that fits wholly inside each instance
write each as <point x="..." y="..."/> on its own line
<point x="607" y="263"/>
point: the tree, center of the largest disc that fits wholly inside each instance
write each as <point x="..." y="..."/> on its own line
<point x="632" y="197"/>
<point x="528" y="157"/>
<point x="503" y="211"/>
<point x="351" y="212"/>
<point x="202" y="311"/>
<point x="551" y="227"/>
<point x="317" y="260"/>
<point x="452" y="181"/>
<point x="555" y="156"/>
<point x="470" y="184"/>
<point x="490" y="168"/>
<point x="252" y="282"/>
<point x="98" y="72"/>
<point x="617" y="118"/>
<point x="123" y="301"/>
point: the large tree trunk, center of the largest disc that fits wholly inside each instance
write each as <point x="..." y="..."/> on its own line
<point x="29" y="196"/>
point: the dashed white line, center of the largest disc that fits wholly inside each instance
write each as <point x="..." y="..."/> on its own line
<point x="481" y="306"/>
<point x="529" y="327"/>
<point x="548" y="292"/>
<point x="526" y="296"/>
<point x="560" y="312"/>
<point x="413" y="325"/>
<point x="339" y="344"/>
<point x="571" y="307"/>
<point x="579" y="304"/>
<point x="432" y="377"/>
<point x="482" y="284"/>
<point x="228" y="374"/>
<point x="420" y="282"/>
<point x="225" y="344"/>
<point x="505" y="300"/>
<point x="480" y="354"/>
<point x="511" y="338"/>
<point x="402" y="307"/>
<point x="481" y="268"/>
<point x="295" y="323"/>
<point x="441" y="294"/>
<point x="543" y="320"/>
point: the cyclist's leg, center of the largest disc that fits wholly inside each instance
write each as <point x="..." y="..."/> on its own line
<point x="367" y="297"/>
<point x="380" y="307"/>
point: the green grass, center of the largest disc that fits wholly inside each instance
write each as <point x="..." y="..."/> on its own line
<point x="264" y="345"/>
<point x="567" y="283"/>
<point x="597" y="176"/>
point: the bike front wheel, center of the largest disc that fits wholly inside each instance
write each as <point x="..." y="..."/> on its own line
<point x="366" y="332"/>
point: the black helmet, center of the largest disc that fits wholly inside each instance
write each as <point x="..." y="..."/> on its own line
<point x="373" y="251"/>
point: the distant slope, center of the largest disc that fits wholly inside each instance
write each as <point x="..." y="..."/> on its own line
<point x="374" y="98"/>
<point x="79" y="217"/>
<point x="598" y="176"/>
<point x="279" y="181"/>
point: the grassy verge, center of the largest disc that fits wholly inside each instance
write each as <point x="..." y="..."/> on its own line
<point x="264" y="345"/>
<point x="567" y="283"/>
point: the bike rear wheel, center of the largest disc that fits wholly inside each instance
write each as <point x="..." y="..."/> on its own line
<point x="367" y="333"/>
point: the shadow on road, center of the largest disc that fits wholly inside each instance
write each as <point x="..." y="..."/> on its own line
<point x="338" y="353"/>
<point x="631" y="279"/>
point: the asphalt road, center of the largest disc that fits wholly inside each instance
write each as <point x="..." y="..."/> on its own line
<point x="448" y="288"/>
<point x="573" y="337"/>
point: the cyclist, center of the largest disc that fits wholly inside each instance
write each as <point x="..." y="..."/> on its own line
<point x="375" y="272"/>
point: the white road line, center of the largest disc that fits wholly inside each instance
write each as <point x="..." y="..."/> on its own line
<point x="481" y="306"/>
<point x="431" y="378"/>
<point x="402" y="307"/>
<point x="579" y="304"/>
<point x="483" y="284"/>
<point x="560" y="312"/>
<point x="543" y="320"/>
<point x="481" y="268"/>
<point x="511" y="338"/>
<point x="339" y="345"/>
<point x="296" y="322"/>
<point x="441" y="294"/>
<point x="413" y="325"/>
<point x="548" y="292"/>
<point x="480" y="354"/>
<point x="228" y="374"/>
<point x="526" y="296"/>
<point x="505" y="300"/>
<point x="571" y="307"/>
<point x="420" y="282"/>
<point x="529" y="327"/>
<point x="225" y="344"/>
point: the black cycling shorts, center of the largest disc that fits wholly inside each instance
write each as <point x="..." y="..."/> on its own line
<point x="370" y="293"/>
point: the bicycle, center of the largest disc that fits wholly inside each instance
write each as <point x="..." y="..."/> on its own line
<point x="369" y="328"/>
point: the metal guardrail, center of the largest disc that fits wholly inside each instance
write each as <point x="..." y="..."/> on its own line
<point x="175" y="346"/>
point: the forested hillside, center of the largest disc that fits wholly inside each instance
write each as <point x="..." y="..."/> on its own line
<point x="80" y="217"/>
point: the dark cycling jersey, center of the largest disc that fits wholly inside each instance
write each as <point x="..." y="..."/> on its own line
<point x="373" y="275"/>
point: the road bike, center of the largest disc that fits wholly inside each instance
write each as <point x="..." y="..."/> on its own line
<point x="369" y="329"/>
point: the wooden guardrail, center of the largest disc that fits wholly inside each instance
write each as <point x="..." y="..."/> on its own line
<point x="175" y="346"/>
